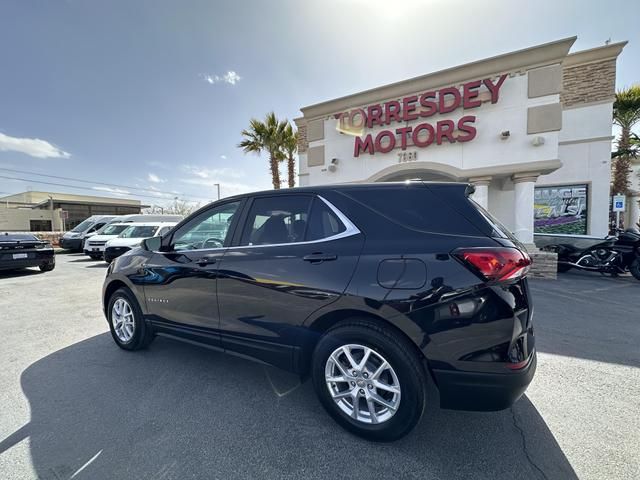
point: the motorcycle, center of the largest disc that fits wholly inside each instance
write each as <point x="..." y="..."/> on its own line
<point x="612" y="255"/>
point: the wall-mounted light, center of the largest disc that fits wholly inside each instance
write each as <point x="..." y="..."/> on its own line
<point x="333" y="166"/>
<point x="504" y="135"/>
<point x="537" y="141"/>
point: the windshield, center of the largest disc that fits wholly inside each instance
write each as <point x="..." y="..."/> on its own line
<point x="139" y="231"/>
<point x="113" y="229"/>
<point x="83" y="226"/>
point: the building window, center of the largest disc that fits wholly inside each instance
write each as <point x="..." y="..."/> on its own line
<point x="40" y="225"/>
<point x="561" y="209"/>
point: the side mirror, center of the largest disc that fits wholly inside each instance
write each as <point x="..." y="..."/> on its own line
<point x="152" y="244"/>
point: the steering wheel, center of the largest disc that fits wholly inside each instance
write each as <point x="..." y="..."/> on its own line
<point x="212" y="242"/>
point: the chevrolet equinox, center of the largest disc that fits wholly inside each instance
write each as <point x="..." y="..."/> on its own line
<point x="370" y="289"/>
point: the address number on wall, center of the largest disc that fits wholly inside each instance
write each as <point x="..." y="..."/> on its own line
<point x="407" y="157"/>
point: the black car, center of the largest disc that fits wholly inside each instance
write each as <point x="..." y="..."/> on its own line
<point x="22" y="250"/>
<point x="371" y="289"/>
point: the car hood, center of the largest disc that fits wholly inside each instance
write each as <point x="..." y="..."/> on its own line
<point x="102" y="238"/>
<point x="124" y="242"/>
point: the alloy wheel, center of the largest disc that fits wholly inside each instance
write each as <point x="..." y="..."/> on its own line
<point x="123" y="320"/>
<point x="362" y="383"/>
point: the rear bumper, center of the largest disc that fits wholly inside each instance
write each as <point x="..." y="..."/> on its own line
<point x="476" y="391"/>
<point x="27" y="262"/>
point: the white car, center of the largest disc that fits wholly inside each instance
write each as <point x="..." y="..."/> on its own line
<point x="94" y="246"/>
<point x="98" y="245"/>
<point x="132" y="236"/>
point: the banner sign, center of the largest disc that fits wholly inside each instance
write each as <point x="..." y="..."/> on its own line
<point x="561" y="209"/>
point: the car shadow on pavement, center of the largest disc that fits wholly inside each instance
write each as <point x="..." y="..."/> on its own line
<point x="177" y="411"/>
<point x="587" y="315"/>
<point x="23" y="272"/>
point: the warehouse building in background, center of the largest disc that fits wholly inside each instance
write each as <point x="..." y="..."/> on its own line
<point x="54" y="212"/>
<point x="531" y="129"/>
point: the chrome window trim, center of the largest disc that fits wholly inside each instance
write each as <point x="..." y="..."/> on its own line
<point x="350" y="229"/>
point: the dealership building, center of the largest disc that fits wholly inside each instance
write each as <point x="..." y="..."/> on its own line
<point x="531" y="129"/>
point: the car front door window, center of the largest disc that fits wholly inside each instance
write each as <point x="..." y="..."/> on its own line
<point x="209" y="230"/>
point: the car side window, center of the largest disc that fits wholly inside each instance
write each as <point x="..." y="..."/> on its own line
<point x="209" y="230"/>
<point x="96" y="227"/>
<point x="277" y="220"/>
<point x="323" y="222"/>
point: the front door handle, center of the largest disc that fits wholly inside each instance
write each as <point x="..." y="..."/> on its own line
<point x="207" y="260"/>
<point x="319" y="257"/>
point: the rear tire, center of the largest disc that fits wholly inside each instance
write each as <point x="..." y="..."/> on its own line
<point x="634" y="268"/>
<point x="385" y="424"/>
<point x="126" y="322"/>
<point x="47" y="267"/>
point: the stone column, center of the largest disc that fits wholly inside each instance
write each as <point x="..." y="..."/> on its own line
<point x="481" y="195"/>
<point x="523" y="207"/>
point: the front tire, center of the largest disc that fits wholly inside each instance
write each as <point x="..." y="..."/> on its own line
<point x="126" y="322"/>
<point x="370" y="380"/>
<point x="634" y="268"/>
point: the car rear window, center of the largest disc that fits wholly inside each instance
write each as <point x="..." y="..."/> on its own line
<point x="12" y="237"/>
<point x="418" y="208"/>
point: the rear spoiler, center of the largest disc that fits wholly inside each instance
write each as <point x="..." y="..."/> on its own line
<point x="470" y="190"/>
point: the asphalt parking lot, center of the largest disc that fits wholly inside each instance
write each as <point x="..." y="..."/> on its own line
<point x="76" y="406"/>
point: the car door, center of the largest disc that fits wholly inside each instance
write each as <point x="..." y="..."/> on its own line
<point x="296" y="253"/>
<point x="180" y="284"/>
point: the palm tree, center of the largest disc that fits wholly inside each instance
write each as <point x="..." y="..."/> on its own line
<point x="289" y="149"/>
<point x="626" y="114"/>
<point x="266" y="136"/>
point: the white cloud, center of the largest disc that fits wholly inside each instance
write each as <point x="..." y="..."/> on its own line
<point x="156" y="164"/>
<point x="152" y="177"/>
<point x="31" y="146"/>
<point x="227" y="188"/>
<point x="204" y="172"/>
<point x="223" y="157"/>
<point x="116" y="191"/>
<point x="230" y="77"/>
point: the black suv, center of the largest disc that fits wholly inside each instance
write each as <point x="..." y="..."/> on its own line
<point x="371" y="289"/>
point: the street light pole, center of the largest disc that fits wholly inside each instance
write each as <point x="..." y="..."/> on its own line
<point x="218" y="186"/>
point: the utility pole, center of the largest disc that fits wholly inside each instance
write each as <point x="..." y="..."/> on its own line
<point x="218" y="186"/>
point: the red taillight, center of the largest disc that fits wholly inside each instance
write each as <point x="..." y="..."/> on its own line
<point x="495" y="263"/>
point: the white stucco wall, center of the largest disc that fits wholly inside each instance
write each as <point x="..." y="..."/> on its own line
<point x="585" y="153"/>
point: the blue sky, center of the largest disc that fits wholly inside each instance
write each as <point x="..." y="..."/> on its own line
<point x="153" y="94"/>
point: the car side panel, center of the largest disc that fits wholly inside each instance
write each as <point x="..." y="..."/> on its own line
<point x="266" y="293"/>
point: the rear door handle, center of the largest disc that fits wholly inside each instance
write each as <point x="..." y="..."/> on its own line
<point x="207" y="260"/>
<point x="319" y="257"/>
